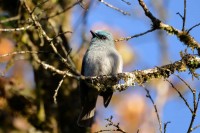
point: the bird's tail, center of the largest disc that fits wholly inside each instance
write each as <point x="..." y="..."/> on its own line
<point x="86" y="116"/>
<point x="107" y="95"/>
<point x="106" y="98"/>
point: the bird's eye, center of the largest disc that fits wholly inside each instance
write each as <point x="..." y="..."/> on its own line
<point x="102" y="37"/>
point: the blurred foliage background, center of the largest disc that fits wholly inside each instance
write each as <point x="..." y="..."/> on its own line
<point x="27" y="88"/>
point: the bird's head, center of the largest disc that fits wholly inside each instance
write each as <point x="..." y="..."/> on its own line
<point x="102" y="36"/>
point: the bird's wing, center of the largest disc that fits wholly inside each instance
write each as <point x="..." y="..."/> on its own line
<point x="83" y="86"/>
<point x="116" y="67"/>
<point x="88" y="101"/>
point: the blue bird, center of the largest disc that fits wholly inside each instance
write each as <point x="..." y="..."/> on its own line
<point x="101" y="58"/>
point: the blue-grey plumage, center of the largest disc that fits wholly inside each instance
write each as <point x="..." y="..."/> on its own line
<point x="101" y="58"/>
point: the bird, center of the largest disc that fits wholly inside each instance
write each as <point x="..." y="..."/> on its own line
<point x="101" y="58"/>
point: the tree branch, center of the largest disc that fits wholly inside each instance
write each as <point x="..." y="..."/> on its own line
<point x="141" y="76"/>
<point x="134" y="36"/>
<point x="17" y="29"/>
<point x="183" y="36"/>
<point x="155" y="108"/>
<point x="184" y="16"/>
<point x="113" y="7"/>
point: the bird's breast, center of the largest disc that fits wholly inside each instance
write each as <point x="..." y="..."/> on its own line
<point x="101" y="61"/>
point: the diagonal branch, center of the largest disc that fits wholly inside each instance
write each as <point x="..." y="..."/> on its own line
<point x="113" y="7"/>
<point x="155" y="108"/>
<point x="63" y="11"/>
<point x="134" y="36"/>
<point x="17" y="29"/>
<point x="183" y="36"/>
<point x="42" y="33"/>
<point x="182" y="97"/>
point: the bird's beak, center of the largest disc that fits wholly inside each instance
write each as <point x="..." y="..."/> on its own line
<point x="93" y="34"/>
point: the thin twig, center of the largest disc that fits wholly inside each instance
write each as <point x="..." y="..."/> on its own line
<point x="113" y="7"/>
<point x="56" y="90"/>
<point x="191" y="122"/>
<point x="184" y="82"/>
<point x="111" y="123"/>
<point x="192" y="90"/>
<point x="190" y="129"/>
<point x="128" y="3"/>
<point x="21" y="52"/>
<point x="197" y="104"/>
<point x="42" y="33"/>
<point x="165" y="126"/>
<point x="194" y="128"/>
<point x="193" y="27"/>
<point x="63" y="11"/>
<point x="9" y="19"/>
<point x="155" y="108"/>
<point x="178" y="13"/>
<point x="134" y="36"/>
<point x="186" y="103"/>
<point x="16" y="29"/>
<point x="39" y="4"/>
<point x="59" y="34"/>
<point x="184" y="15"/>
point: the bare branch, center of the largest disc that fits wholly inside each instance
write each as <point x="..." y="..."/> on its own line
<point x="63" y="11"/>
<point x="128" y="3"/>
<point x="16" y="29"/>
<point x="183" y="36"/>
<point x="182" y="97"/>
<point x="20" y="52"/>
<point x="193" y="27"/>
<point x="42" y="33"/>
<point x="9" y="19"/>
<point x="178" y="13"/>
<point x="111" y="123"/>
<point x="190" y="129"/>
<point x="192" y="121"/>
<point x="184" y="16"/>
<point x="165" y="126"/>
<point x="155" y="108"/>
<point x="185" y="82"/>
<point x="197" y="103"/>
<point x="113" y="7"/>
<point x="134" y="36"/>
<point x="194" y="128"/>
<point x="59" y="34"/>
<point x="39" y="4"/>
<point x="56" y="90"/>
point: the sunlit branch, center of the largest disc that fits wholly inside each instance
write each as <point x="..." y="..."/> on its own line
<point x="56" y="90"/>
<point x="113" y="7"/>
<point x="17" y="29"/>
<point x="42" y="33"/>
<point x="9" y="19"/>
<point x="183" y="36"/>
